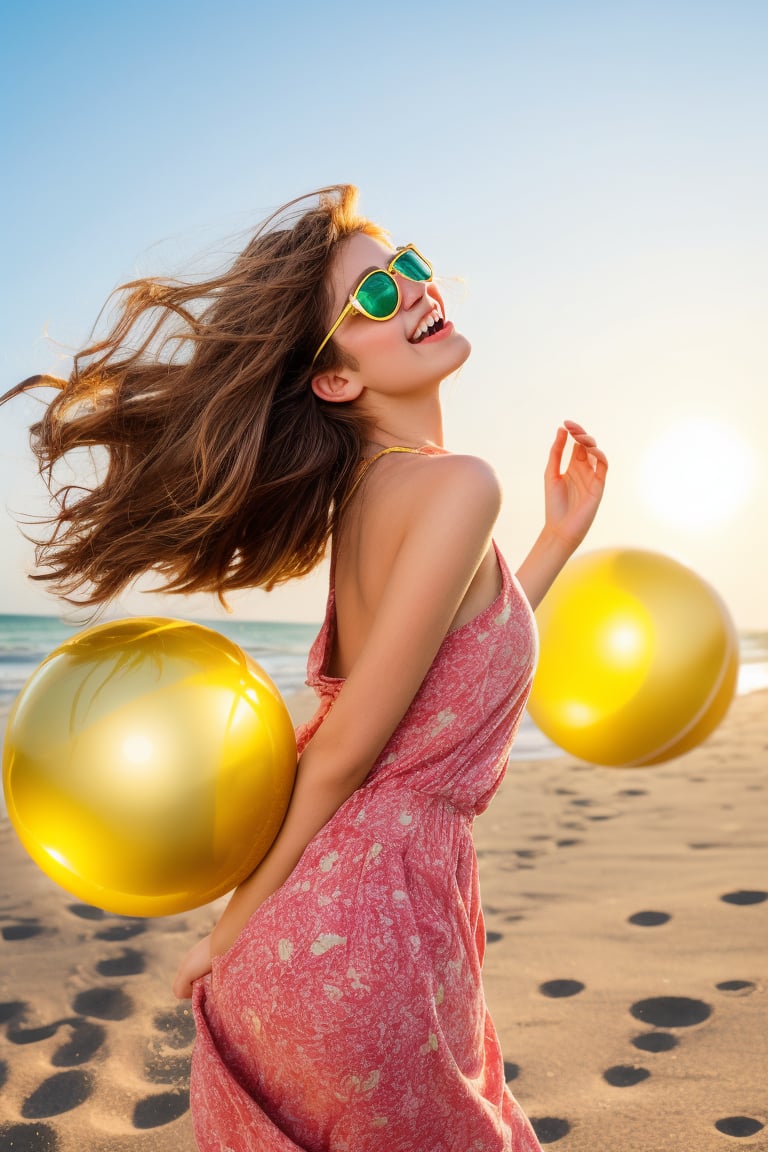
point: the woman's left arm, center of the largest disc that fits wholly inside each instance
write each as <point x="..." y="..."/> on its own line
<point x="571" y="500"/>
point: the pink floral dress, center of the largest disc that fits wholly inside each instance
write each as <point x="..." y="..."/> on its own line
<point x="349" y="1015"/>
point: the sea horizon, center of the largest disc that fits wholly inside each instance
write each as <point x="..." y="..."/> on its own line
<point x="281" y="649"/>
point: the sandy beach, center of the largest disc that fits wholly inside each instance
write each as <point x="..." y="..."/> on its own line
<point x="626" y="967"/>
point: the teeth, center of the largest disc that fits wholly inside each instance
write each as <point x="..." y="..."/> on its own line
<point x="427" y="323"/>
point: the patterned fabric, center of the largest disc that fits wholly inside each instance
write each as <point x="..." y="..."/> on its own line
<point x="349" y="1015"/>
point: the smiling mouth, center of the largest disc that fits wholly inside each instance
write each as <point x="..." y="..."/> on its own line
<point x="432" y="330"/>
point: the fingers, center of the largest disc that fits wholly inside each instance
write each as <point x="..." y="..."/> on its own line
<point x="586" y="447"/>
<point x="580" y="435"/>
<point x="555" y="457"/>
<point x="585" y="451"/>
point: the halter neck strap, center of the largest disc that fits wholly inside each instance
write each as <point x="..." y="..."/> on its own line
<point x="369" y="460"/>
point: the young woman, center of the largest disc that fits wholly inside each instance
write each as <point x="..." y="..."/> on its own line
<point x="249" y="421"/>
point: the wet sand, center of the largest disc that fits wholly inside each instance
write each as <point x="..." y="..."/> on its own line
<point x="626" y="967"/>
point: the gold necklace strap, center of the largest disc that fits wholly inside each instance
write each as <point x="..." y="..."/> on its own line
<point x="369" y="460"/>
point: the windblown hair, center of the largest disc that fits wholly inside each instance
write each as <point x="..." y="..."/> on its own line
<point x="223" y="469"/>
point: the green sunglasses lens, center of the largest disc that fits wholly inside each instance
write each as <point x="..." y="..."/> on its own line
<point x="378" y="295"/>
<point x="412" y="266"/>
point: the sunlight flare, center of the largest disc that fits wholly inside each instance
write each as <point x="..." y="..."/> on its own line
<point x="697" y="473"/>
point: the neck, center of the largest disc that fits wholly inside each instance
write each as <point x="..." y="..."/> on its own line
<point x="408" y="422"/>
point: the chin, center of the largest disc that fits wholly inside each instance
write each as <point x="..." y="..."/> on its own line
<point x="460" y="349"/>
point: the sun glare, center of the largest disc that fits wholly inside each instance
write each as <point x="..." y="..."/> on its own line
<point x="697" y="473"/>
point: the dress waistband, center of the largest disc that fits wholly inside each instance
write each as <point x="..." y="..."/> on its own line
<point x="397" y="786"/>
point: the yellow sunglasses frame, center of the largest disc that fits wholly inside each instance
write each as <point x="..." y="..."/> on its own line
<point x="354" y="305"/>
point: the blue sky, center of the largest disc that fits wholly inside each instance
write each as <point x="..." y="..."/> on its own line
<point x="595" y="172"/>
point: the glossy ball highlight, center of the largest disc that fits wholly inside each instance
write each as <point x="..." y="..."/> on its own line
<point x="638" y="659"/>
<point x="148" y="765"/>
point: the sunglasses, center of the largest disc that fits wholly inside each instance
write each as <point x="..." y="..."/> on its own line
<point x="377" y="296"/>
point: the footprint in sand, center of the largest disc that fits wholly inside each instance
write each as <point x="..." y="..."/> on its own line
<point x="28" y="1138"/>
<point x="10" y="1009"/>
<point x="549" y="1129"/>
<point x="625" y="1075"/>
<point x="745" y="896"/>
<point x="59" y="1093"/>
<point x="649" y="919"/>
<point x="87" y="912"/>
<point x="154" y="1111"/>
<point x="663" y="1012"/>
<point x="736" y="987"/>
<point x="177" y="1027"/>
<point x="739" y="1125"/>
<point x="131" y="963"/>
<point x="176" y="1030"/>
<point x="655" y="1041"/>
<point x="560" y="988"/>
<point x="22" y="930"/>
<point x="119" y="932"/>
<point x="160" y="1068"/>
<point x="103" y="1003"/>
<point x="21" y="1035"/>
<point x="86" y="1040"/>
<point x="671" y="1011"/>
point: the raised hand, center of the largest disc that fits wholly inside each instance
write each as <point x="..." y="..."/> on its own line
<point x="572" y="497"/>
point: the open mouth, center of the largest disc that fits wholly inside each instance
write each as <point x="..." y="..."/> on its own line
<point x="429" y="328"/>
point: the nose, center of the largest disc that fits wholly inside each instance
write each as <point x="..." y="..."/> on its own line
<point x="412" y="292"/>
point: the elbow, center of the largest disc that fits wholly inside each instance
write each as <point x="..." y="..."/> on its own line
<point x="335" y="767"/>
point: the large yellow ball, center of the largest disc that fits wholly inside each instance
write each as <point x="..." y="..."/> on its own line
<point x="148" y="765"/>
<point x="638" y="659"/>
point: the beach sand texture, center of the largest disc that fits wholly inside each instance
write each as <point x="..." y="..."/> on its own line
<point x="627" y="927"/>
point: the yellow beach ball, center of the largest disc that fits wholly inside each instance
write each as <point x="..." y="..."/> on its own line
<point x="148" y="765"/>
<point x="638" y="659"/>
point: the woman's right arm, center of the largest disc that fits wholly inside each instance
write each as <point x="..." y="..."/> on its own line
<point x="447" y="521"/>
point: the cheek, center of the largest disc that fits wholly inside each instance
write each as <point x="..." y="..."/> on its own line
<point x="373" y="344"/>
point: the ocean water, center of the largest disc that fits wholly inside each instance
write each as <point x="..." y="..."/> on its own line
<point x="281" y="650"/>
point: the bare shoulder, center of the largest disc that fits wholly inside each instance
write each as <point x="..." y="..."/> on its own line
<point x="462" y="470"/>
<point x="425" y="483"/>
<point x="415" y="551"/>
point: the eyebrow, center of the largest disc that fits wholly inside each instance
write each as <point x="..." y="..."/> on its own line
<point x="361" y="277"/>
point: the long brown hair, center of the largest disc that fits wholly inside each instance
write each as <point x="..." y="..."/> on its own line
<point x="223" y="469"/>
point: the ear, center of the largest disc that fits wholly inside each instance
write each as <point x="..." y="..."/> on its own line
<point x="336" y="388"/>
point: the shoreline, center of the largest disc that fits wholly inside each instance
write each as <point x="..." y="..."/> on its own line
<point x="302" y="704"/>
